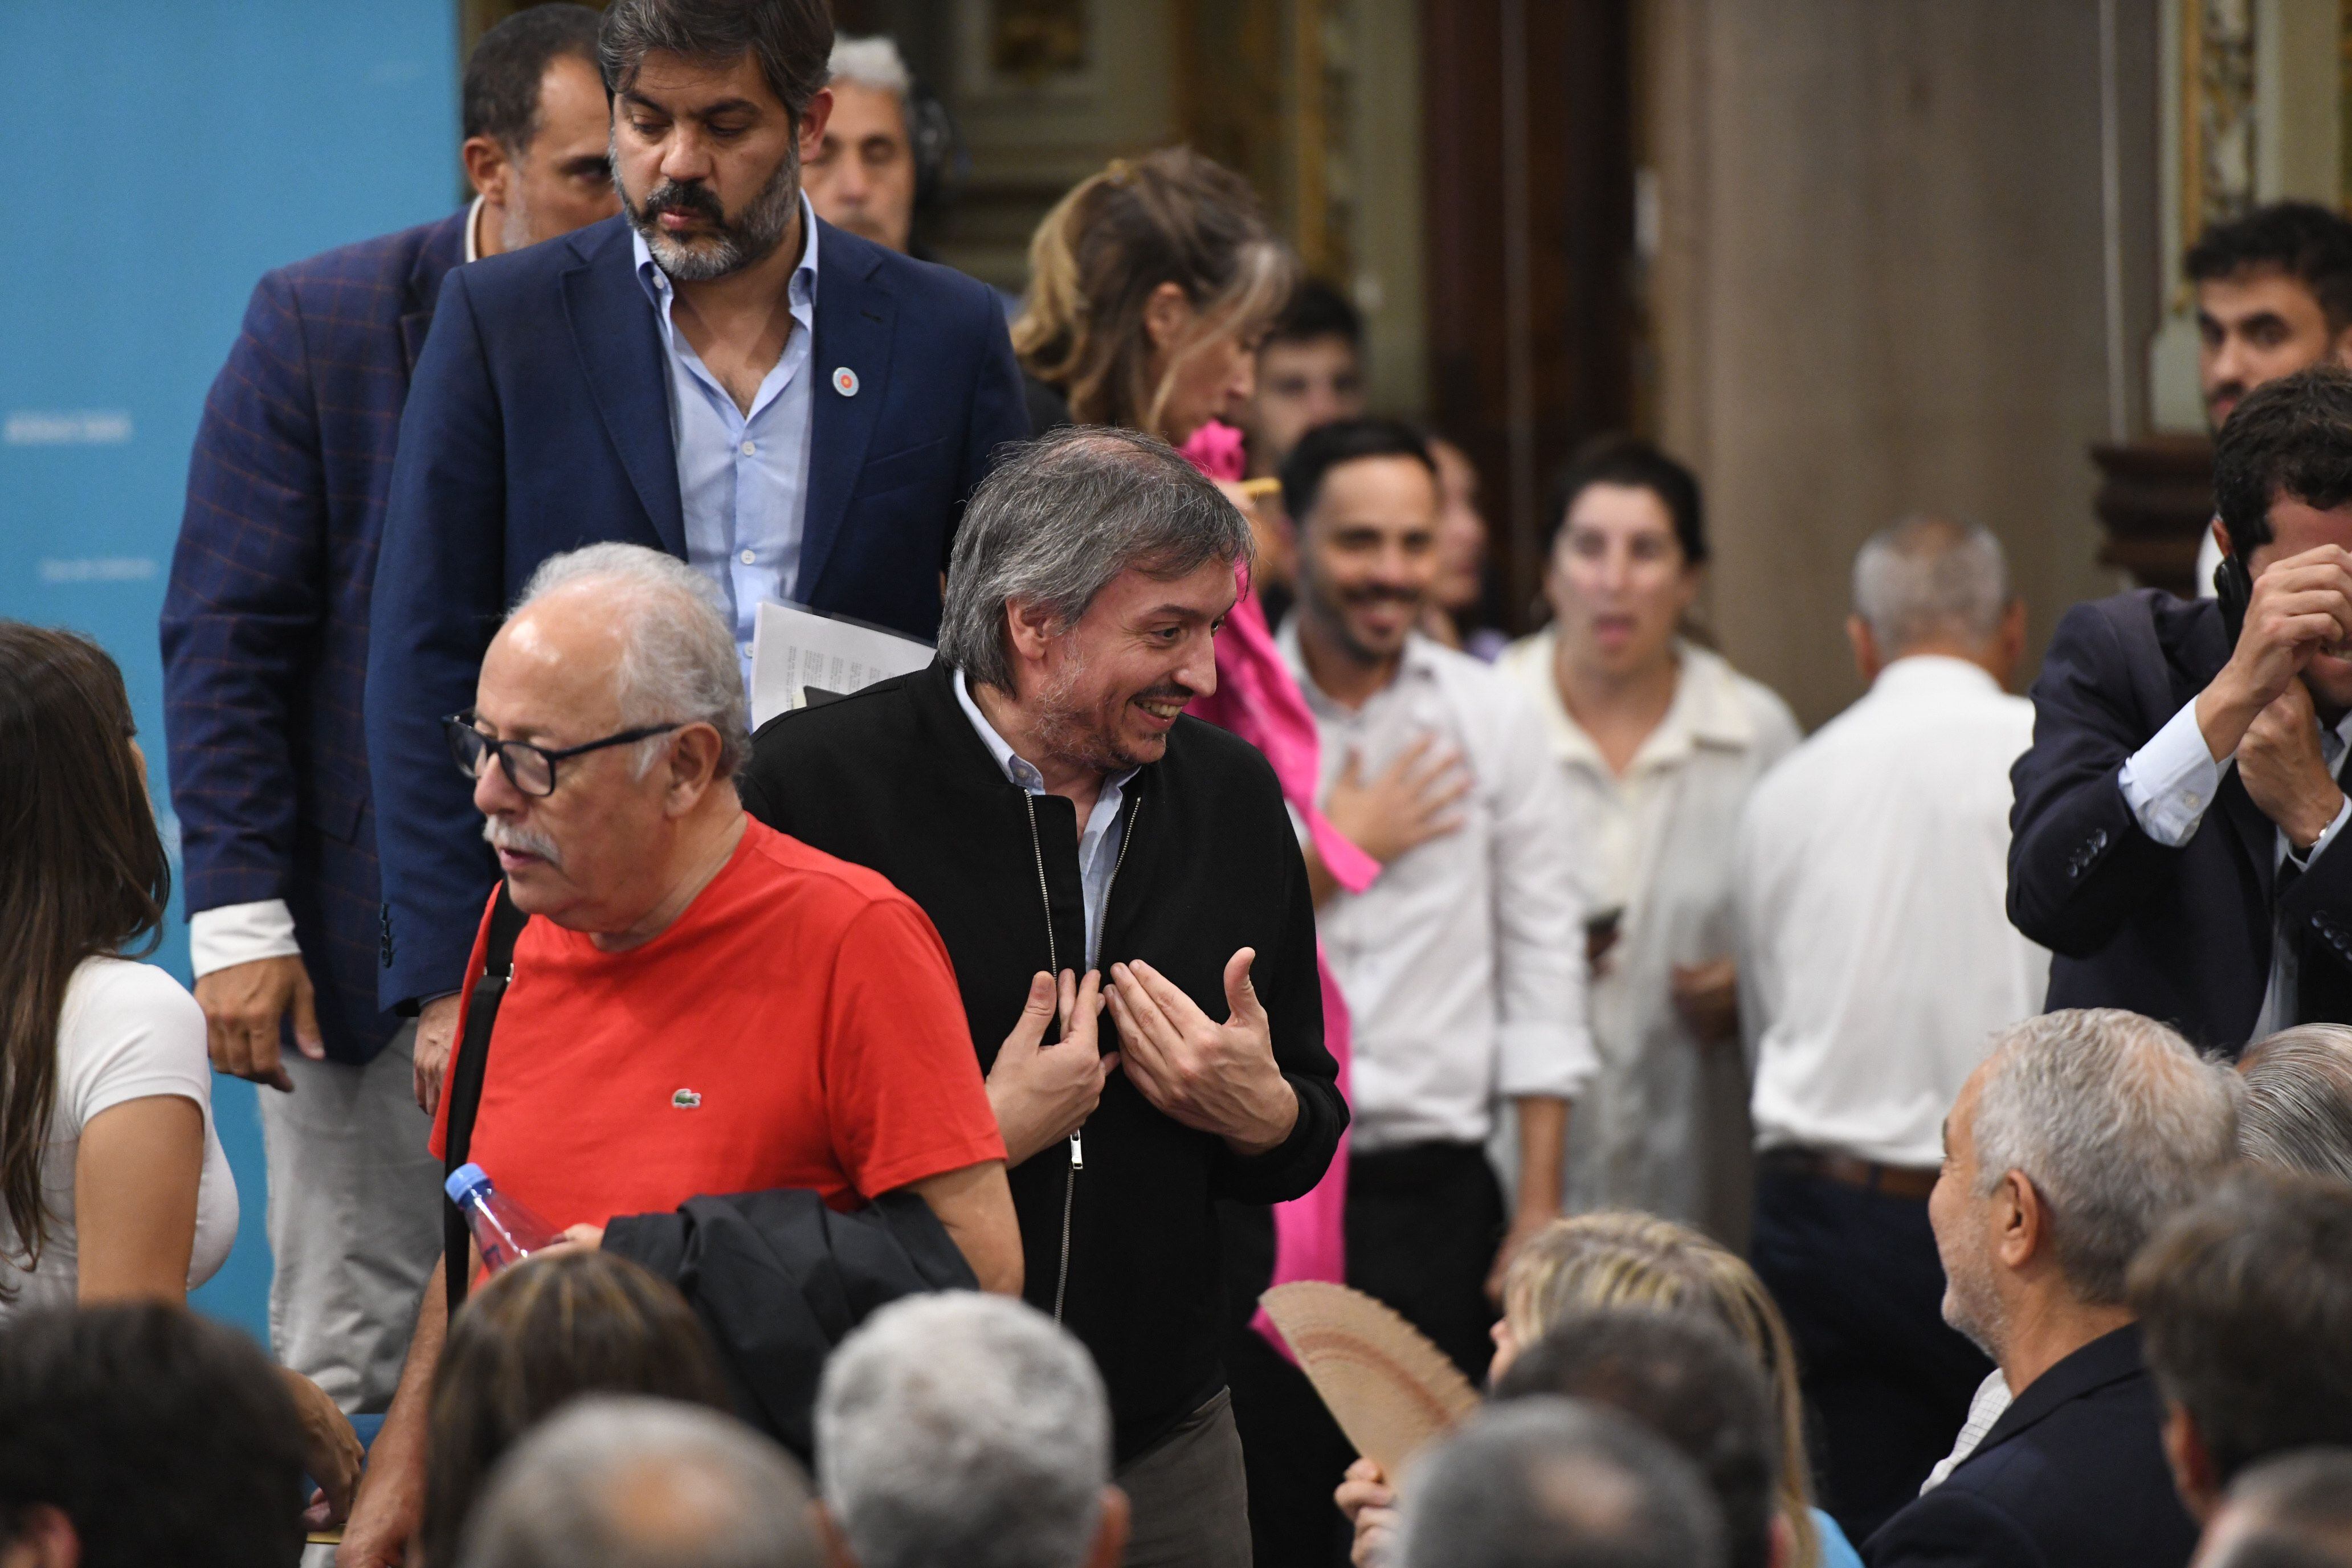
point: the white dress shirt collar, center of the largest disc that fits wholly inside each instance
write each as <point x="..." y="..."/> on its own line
<point x="1921" y="674"/>
<point x="1417" y="662"/>
<point x="1707" y="709"/>
<point x="473" y="230"/>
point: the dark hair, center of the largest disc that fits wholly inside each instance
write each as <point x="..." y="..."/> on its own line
<point x="503" y="77"/>
<point x="1685" y="1378"/>
<point x="82" y="873"/>
<point x="1326" y="446"/>
<point x="1317" y="309"/>
<point x="2309" y="243"/>
<point x="534" y="1336"/>
<point x="2292" y="1511"/>
<point x="2245" y="1300"/>
<point x="1546" y="1482"/>
<point x="1628" y="460"/>
<point x="162" y="1437"/>
<point x="1169" y="217"/>
<point x="791" y="39"/>
<point x="2289" y="437"/>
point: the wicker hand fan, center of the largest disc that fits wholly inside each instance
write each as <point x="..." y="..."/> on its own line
<point x="1390" y="1389"/>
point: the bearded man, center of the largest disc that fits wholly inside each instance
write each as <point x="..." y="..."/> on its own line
<point x="676" y="377"/>
<point x="1040" y="793"/>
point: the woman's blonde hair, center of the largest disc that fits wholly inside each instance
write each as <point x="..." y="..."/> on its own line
<point x="1618" y="1259"/>
<point x="1169" y="217"/>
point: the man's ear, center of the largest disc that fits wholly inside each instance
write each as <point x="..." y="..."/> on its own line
<point x="693" y="766"/>
<point x="488" y="168"/>
<point x="2221" y="538"/>
<point x="1030" y="628"/>
<point x="829" y="1536"/>
<point x="812" y="119"/>
<point x="1110" y="1534"/>
<point x="2191" y="1462"/>
<point x="1865" y="643"/>
<point x="2020" y="1223"/>
<point x="2340" y="351"/>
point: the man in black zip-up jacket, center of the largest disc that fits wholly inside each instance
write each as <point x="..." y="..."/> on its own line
<point x="1088" y="577"/>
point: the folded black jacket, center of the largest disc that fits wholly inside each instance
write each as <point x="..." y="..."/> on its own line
<point x="779" y="1279"/>
<point x="1125" y="1248"/>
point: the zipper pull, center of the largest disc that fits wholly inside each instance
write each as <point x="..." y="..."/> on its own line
<point x="1077" y="1153"/>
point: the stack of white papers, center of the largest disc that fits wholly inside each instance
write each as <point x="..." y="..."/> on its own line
<point x="795" y="651"/>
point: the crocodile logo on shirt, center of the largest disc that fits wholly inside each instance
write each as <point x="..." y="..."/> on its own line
<point x="686" y="1099"/>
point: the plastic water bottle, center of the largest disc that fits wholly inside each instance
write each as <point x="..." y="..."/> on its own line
<point x="504" y="1230"/>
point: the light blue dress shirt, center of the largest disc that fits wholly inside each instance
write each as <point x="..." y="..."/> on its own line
<point x="743" y="478"/>
<point x="1097" y="844"/>
<point x="2170" y="781"/>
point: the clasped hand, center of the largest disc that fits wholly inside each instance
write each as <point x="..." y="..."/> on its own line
<point x="1212" y="1076"/>
<point x="2259" y="708"/>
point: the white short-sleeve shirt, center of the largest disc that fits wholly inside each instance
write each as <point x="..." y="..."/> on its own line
<point x="128" y="1031"/>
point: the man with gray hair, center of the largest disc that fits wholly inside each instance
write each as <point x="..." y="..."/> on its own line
<point x="627" y="1482"/>
<point x="696" y="1005"/>
<point x="1080" y="841"/>
<point x="1558" y="1483"/>
<point x="871" y="165"/>
<point x="1876" y="960"/>
<point x="2066" y="1149"/>
<point x="968" y="1430"/>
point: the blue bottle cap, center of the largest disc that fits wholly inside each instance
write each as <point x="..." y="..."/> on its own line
<point x="465" y="1181"/>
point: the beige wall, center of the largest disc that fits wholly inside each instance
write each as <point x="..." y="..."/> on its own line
<point x="1880" y="287"/>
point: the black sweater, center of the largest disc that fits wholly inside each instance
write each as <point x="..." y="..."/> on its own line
<point x="895" y="778"/>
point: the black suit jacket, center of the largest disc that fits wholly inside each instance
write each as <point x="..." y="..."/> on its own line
<point x="2072" y="1476"/>
<point x="2181" y="934"/>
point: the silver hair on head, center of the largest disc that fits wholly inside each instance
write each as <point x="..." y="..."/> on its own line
<point x="1059" y="519"/>
<point x="2115" y="1120"/>
<point x="1926" y="578"/>
<point x="873" y="62"/>
<point x="2297" y="1112"/>
<point x="613" y="1482"/>
<point x="963" y="1429"/>
<point x="679" y="663"/>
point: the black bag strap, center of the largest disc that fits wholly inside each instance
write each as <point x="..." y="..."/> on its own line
<point x="466" y="1084"/>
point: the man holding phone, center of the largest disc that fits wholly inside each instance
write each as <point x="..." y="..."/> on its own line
<point x="2177" y="817"/>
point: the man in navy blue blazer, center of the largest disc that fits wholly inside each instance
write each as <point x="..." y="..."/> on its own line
<point x="2177" y="841"/>
<point x="2074" y="1140"/>
<point x="264" y="650"/>
<point x="798" y="413"/>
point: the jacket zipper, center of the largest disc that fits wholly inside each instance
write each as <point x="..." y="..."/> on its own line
<point x="1053" y="957"/>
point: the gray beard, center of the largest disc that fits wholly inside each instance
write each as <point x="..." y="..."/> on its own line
<point x="750" y="240"/>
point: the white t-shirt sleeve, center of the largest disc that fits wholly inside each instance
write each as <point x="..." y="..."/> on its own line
<point x="129" y="1031"/>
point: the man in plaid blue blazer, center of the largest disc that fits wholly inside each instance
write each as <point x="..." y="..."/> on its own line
<point x="264" y="650"/>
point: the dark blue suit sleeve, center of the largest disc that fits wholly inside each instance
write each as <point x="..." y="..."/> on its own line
<point x="1950" y="1528"/>
<point x="2079" y="866"/>
<point x="999" y="410"/>
<point x="440" y="590"/>
<point x="242" y="611"/>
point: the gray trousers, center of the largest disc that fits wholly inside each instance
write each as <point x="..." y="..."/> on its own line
<point x="1188" y="1495"/>
<point x="354" y="1220"/>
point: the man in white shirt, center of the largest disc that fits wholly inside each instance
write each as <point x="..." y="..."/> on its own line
<point x="1876" y="961"/>
<point x="1460" y="964"/>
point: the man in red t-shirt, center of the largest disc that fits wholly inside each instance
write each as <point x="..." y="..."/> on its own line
<point x="699" y="1005"/>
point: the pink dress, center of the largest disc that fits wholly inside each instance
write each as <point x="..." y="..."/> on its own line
<point x="1258" y="699"/>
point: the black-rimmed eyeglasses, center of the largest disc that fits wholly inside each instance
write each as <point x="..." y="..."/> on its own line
<point x="530" y="769"/>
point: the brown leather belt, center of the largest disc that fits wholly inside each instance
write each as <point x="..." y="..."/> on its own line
<point x="1894" y="1181"/>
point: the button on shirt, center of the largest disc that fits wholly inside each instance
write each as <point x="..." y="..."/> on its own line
<point x="1097" y="843"/>
<point x="743" y="478"/>
<point x="1462" y="964"/>
<point x="2171" y="781"/>
<point x="1876" y="956"/>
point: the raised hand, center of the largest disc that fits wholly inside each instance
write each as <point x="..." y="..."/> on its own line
<point x="2301" y="605"/>
<point x="2284" y="770"/>
<point x="1412" y="802"/>
<point x="1043" y="1093"/>
<point x="1213" y="1078"/>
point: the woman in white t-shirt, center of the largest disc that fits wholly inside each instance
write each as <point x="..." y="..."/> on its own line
<point x="113" y="1182"/>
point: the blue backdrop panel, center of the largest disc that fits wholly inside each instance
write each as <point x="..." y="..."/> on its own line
<point x="176" y="151"/>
